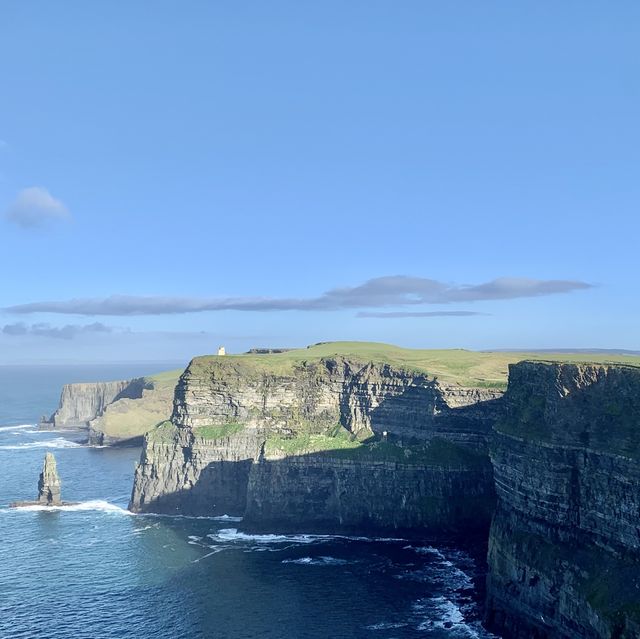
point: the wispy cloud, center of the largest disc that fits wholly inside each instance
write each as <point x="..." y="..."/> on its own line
<point x="58" y="332"/>
<point x="402" y="314"/>
<point x="381" y="292"/>
<point x="34" y="207"/>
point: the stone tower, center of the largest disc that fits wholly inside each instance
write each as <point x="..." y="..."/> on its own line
<point x="222" y="351"/>
<point x="49" y="483"/>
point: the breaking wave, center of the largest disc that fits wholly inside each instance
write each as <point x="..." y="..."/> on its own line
<point x="94" y="504"/>
<point x="5" y="428"/>
<point x="227" y="518"/>
<point x="233" y="535"/>
<point x="57" y="442"/>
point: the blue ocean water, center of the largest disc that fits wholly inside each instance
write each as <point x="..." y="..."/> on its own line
<point x="95" y="571"/>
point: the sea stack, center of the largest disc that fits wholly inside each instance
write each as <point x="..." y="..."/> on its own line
<point x="49" y="483"/>
<point x="48" y="487"/>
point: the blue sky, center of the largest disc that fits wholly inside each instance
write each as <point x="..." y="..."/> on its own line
<point x="175" y="176"/>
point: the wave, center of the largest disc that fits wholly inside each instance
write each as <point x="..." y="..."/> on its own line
<point x="233" y="535"/>
<point x="5" y="428"/>
<point x="317" y="561"/>
<point x="227" y="518"/>
<point x="93" y="504"/>
<point x="57" y="442"/>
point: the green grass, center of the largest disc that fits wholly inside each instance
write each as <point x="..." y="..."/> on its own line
<point x="340" y="444"/>
<point x="167" y="377"/>
<point x="438" y="452"/>
<point x="467" y="368"/>
<point x="128" y="418"/>
<point x="218" y="431"/>
<point x="302" y="443"/>
<point x="163" y="432"/>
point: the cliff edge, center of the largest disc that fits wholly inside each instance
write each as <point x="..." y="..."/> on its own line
<point x="322" y="442"/>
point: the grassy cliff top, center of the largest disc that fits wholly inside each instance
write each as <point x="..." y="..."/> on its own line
<point x="467" y="368"/>
<point x="128" y="418"/>
<point x="169" y="378"/>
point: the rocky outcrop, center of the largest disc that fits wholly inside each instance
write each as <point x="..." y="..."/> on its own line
<point x="564" y="548"/>
<point x="117" y="412"/>
<point x="48" y="487"/>
<point x="333" y="443"/>
<point x="49" y="483"/>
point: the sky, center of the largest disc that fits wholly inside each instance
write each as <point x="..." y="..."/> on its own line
<point x="179" y="176"/>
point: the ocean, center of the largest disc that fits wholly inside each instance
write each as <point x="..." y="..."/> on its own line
<point x="95" y="571"/>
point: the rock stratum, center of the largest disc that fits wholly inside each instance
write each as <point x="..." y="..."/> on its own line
<point x="116" y="412"/>
<point x="564" y="546"/>
<point x="329" y="443"/>
<point x="340" y="443"/>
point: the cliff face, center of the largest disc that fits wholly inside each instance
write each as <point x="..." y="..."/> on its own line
<point x="337" y="444"/>
<point x="564" y="548"/>
<point x="115" y="412"/>
<point x="80" y="403"/>
<point x="332" y="442"/>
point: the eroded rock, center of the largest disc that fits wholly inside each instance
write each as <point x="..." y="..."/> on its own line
<point x="49" y="483"/>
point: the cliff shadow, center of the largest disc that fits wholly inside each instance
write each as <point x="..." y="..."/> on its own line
<point x="354" y="490"/>
<point x="421" y="413"/>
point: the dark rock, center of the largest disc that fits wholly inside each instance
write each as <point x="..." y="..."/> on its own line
<point x="49" y="483"/>
<point x="564" y="547"/>
<point x="48" y="486"/>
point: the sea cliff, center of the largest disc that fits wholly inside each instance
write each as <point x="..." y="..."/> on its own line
<point x="337" y="442"/>
<point x="115" y="412"/>
<point x="329" y="442"/>
<point x="564" y="547"/>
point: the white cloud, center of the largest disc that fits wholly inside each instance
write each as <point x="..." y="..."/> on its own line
<point x="34" y="207"/>
<point x="380" y="292"/>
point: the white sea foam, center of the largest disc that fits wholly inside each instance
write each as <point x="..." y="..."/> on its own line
<point x="5" y="428"/>
<point x="227" y="518"/>
<point x="139" y="531"/>
<point x="451" y="610"/>
<point x="233" y="535"/>
<point x="442" y="613"/>
<point x="94" y="504"/>
<point x="316" y="561"/>
<point x="57" y="442"/>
